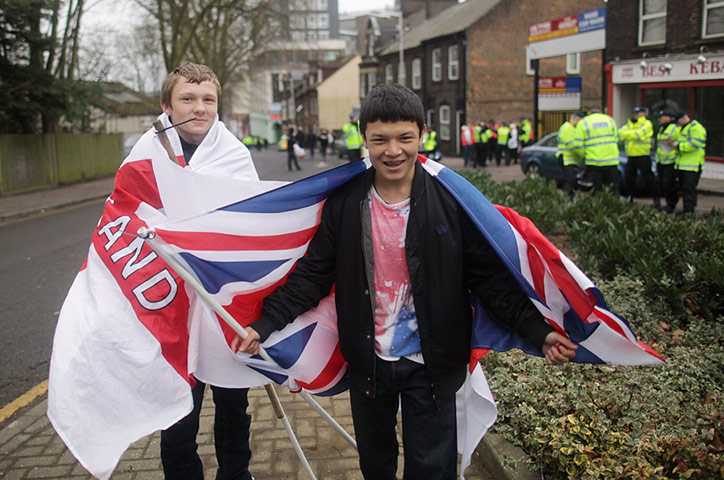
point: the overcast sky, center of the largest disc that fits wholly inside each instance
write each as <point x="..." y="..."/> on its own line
<point x="108" y="12"/>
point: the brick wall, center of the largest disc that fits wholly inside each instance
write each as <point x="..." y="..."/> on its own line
<point x="683" y="30"/>
<point x="498" y="86"/>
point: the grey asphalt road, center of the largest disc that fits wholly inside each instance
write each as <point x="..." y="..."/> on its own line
<point x="41" y="256"/>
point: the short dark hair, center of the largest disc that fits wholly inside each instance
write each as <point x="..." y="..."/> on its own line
<point x="390" y="102"/>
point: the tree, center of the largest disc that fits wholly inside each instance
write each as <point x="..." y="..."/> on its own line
<point x="226" y="35"/>
<point x="38" y="61"/>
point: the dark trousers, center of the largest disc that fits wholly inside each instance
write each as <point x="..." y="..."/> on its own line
<point x="481" y="154"/>
<point x="512" y="156"/>
<point x="492" y="145"/>
<point x="429" y="432"/>
<point x="292" y="158"/>
<point x="468" y="154"/>
<point x="570" y="179"/>
<point x="639" y="164"/>
<point x="667" y="185"/>
<point x="500" y="152"/>
<point x="231" y="438"/>
<point x="604" y="176"/>
<point x="688" y="181"/>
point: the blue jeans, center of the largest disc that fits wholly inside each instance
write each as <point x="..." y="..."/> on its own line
<point x="231" y="437"/>
<point x="429" y="432"/>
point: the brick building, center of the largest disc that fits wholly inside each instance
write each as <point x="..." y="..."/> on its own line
<point x="469" y="63"/>
<point x="500" y="78"/>
<point x="668" y="54"/>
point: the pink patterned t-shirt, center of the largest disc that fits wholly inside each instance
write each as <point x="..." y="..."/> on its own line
<point x="396" y="332"/>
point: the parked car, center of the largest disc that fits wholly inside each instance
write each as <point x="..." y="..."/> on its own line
<point x="539" y="161"/>
<point x="340" y="146"/>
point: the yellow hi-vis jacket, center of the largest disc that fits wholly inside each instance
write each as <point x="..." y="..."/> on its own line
<point x="692" y="142"/>
<point x="429" y="144"/>
<point x="503" y="134"/>
<point x="476" y="133"/>
<point x="666" y="135"/>
<point x="354" y="139"/>
<point x="637" y="136"/>
<point x="566" y="142"/>
<point x="527" y="129"/>
<point x="597" y="140"/>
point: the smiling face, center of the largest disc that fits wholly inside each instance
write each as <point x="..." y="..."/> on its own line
<point x="393" y="151"/>
<point x="193" y="100"/>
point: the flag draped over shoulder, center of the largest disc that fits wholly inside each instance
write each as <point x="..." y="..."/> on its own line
<point x="568" y="300"/>
<point x="120" y="367"/>
<point x="131" y="331"/>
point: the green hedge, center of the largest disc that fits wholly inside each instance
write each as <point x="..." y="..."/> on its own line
<point x="664" y="275"/>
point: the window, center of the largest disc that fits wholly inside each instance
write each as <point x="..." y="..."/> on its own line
<point x="312" y="21"/>
<point x="652" y="22"/>
<point x="312" y="36"/>
<point x="299" y="36"/>
<point x="436" y="65"/>
<point x="322" y="5"/>
<point x="362" y="85"/>
<point x="323" y="21"/>
<point x="389" y="78"/>
<point x="445" y="122"/>
<point x="298" y="22"/>
<point x="573" y="63"/>
<point x="713" y="18"/>
<point x="325" y="36"/>
<point x="372" y="80"/>
<point x="416" y="73"/>
<point x="453" y="69"/>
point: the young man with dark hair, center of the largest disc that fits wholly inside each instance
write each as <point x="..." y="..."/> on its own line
<point x="190" y="98"/>
<point x="403" y="258"/>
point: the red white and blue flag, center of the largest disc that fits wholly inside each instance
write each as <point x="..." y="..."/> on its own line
<point x="131" y="331"/>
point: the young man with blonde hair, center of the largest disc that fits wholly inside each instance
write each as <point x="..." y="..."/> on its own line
<point x="190" y="98"/>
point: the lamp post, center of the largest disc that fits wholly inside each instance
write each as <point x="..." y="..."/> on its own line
<point x="401" y="68"/>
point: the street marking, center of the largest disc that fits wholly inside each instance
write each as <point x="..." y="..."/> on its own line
<point x="23" y="400"/>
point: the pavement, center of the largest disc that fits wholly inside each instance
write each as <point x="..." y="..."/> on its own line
<point x="30" y="448"/>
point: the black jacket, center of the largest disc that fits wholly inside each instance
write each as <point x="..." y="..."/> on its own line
<point x="447" y="258"/>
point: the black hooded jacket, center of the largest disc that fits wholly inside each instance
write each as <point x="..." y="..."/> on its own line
<point x="447" y="258"/>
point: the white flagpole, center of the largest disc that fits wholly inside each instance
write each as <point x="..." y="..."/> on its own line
<point x="148" y="236"/>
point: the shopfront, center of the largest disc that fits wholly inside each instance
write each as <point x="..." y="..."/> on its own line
<point x="693" y="83"/>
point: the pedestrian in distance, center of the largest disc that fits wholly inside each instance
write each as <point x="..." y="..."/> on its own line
<point x="569" y="162"/>
<point x="388" y="239"/>
<point x="323" y="143"/>
<point x="468" y="144"/>
<point x="311" y="142"/>
<point x="501" y="148"/>
<point x="637" y="136"/>
<point x="690" y="143"/>
<point x="513" y="144"/>
<point x="190" y="97"/>
<point x="596" y="143"/>
<point x="492" y="137"/>
<point x="291" y="152"/>
<point x="666" y="159"/>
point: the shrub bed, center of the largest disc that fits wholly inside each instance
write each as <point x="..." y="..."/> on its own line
<point x="665" y="275"/>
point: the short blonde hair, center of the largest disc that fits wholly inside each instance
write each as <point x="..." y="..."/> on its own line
<point x="193" y="73"/>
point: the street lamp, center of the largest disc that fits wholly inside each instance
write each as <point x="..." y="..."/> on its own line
<point x="401" y="68"/>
